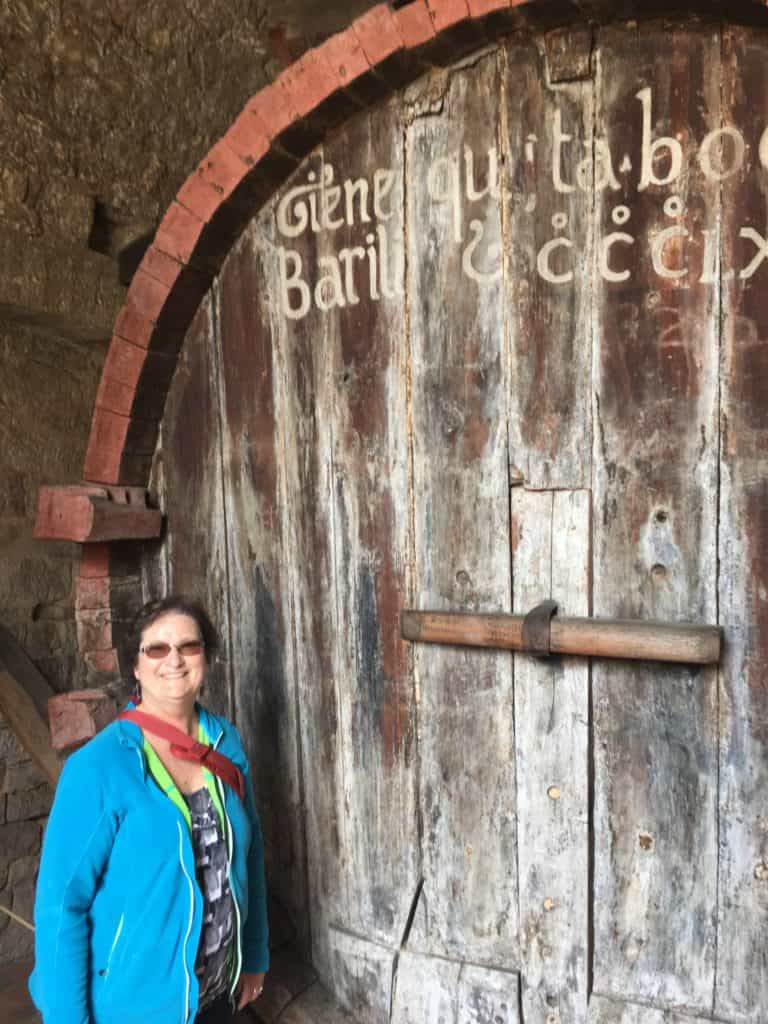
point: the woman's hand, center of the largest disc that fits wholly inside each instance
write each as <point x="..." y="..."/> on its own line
<point x="249" y="988"/>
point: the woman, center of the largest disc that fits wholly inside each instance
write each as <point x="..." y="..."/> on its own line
<point x="150" y="905"/>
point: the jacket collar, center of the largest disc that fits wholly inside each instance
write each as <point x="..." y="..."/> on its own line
<point x="130" y="734"/>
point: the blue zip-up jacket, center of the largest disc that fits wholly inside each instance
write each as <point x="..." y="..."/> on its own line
<point x="118" y="911"/>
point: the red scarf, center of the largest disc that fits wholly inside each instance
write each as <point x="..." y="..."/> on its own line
<point x="185" y="747"/>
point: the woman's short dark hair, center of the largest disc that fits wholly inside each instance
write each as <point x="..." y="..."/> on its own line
<point x="173" y="604"/>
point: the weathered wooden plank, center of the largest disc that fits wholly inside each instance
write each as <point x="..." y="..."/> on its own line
<point x="548" y="239"/>
<point x="655" y="516"/>
<point x="742" y="961"/>
<point x="551" y="556"/>
<point x="20" y="712"/>
<point x="190" y="450"/>
<point x="304" y="453"/>
<point x="263" y="668"/>
<point x="487" y="997"/>
<point x="365" y="407"/>
<point x="316" y="1006"/>
<point x="461" y="515"/>
<point x="615" y="1011"/>
<point x="425" y="989"/>
<point x="362" y="976"/>
<point x="431" y="990"/>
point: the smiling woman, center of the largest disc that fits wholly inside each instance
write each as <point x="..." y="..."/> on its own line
<point x="151" y="898"/>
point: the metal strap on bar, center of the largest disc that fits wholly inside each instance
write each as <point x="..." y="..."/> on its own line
<point x="537" y="629"/>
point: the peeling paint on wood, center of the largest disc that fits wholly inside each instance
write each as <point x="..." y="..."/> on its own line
<point x="552" y="558"/>
<point x="656" y="369"/>
<point x="458" y="390"/>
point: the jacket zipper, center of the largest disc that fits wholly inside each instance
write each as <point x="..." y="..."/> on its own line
<point x="238" y="927"/>
<point x="113" y="947"/>
<point x="185" y="1017"/>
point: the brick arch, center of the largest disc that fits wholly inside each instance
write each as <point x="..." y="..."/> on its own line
<point x="380" y="52"/>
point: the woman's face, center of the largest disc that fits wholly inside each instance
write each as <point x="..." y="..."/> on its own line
<point x="173" y="680"/>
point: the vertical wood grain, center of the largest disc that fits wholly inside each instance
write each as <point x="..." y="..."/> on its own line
<point x="548" y="261"/>
<point x="655" y="484"/>
<point x="461" y="510"/>
<point x="364" y="353"/>
<point x="304" y="449"/>
<point x="264" y="671"/>
<point x="193" y="494"/>
<point x="742" y="965"/>
<point x="551" y="558"/>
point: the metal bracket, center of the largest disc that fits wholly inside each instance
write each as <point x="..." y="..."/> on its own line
<point x="537" y="626"/>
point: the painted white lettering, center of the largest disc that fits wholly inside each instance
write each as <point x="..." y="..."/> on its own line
<point x="657" y="252"/>
<point x="494" y="254"/>
<point x="389" y="288"/>
<point x="530" y="142"/>
<point x="762" y="251"/>
<point x="443" y="186"/>
<point x="290" y="282"/>
<point x="373" y="267"/>
<point x="652" y="147"/>
<point x="356" y="188"/>
<point x="544" y="261"/>
<point x="347" y="257"/>
<point x="383" y="180"/>
<point x="601" y="167"/>
<point x="606" y="245"/>
<point x="763" y="149"/>
<point x="737" y="156"/>
<point x="331" y="199"/>
<point x="329" y="291"/>
<point x="293" y="211"/>
<point x="492" y="187"/>
<point x="559" y="138"/>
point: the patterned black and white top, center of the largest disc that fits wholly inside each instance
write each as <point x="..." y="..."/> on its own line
<point x="212" y="869"/>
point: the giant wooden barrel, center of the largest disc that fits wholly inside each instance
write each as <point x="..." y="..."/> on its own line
<point x="501" y="337"/>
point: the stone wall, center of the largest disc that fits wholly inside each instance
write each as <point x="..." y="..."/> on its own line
<point x="105" y="108"/>
<point x="25" y="800"/>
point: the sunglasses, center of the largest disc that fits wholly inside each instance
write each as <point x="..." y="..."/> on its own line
<point x="187" y="649"/>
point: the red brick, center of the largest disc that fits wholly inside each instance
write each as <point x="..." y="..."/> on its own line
<point x="222" y="169"/>
<point x="94" y="560"/>
<point x="91" y="592"/>
<point x="308" y="82"/>
<point x="77" y="716"/>
<point x="105" y="662"/>
<point x="161" y="266"/>
<point x="115" y="396"/>
<point x="94" y="630"/>
<point x="178" y="233"/>
<point x="447" y="12"/>
<point x="133" y="326"/>
<point x="479" y="8"/>
<point x="197" y="196"/>
<point x="124" y="362"/>
<point x="147" y="295"/>
<point x="248" y="137"/>
<point x="272" y="106"/>
<point x="415" y="24"/>
<point x="345" y="56"/>
<point x="378" y="35"/>
<point x="105" y="446"/>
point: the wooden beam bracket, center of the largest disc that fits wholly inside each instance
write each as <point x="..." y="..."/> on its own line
<point x="90" y="514"/>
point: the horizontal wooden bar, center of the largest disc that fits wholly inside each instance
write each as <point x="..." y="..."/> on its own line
<point x="683" y="642"/>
